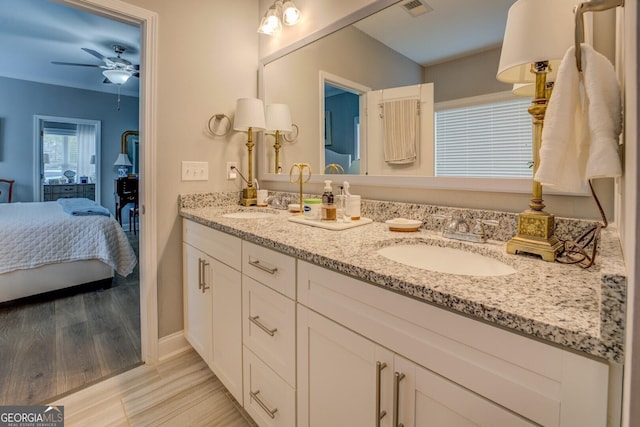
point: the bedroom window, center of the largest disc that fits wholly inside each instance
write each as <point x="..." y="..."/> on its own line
<point x="68" y="146"/>
<point x="484" y="136"/>
<point x="60" y="148"/>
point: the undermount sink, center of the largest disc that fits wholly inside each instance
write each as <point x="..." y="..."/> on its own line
<point x="249" y="215"/>
<point x="446" y="260"/>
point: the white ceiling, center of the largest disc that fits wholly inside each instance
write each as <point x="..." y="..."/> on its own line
<point x="33" y="33"/>
<point x="453" y="28"/>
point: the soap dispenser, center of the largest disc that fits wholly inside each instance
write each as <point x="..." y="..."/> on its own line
<point x="328" y="204"/>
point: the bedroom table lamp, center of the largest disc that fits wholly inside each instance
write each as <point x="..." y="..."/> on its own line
<point x="537" y="35"/>
<point x="278" y="119"/>
<point x="249" y="118"/>
<point x="122" y="162"/>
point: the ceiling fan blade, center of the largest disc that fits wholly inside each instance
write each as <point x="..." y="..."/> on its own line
<point x="73" y="63"/>
<point x="94" y="53"/>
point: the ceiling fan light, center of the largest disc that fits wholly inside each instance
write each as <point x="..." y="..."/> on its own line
<point x="118" y="77"/>
<point x="291" y="14"/>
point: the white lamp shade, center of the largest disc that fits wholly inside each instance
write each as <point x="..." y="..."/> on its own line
<point x="537" y="30"/>
<point x="249" y="114"/>
<point x="529" y="89"/>
<point x="118" y="77"/>
<point x="279" y="118"/>
<point x="122" y="160"/>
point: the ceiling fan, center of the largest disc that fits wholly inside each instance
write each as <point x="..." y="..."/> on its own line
<point x="117" y="70"/>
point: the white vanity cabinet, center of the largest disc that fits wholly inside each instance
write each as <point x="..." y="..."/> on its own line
<point x="213" y="301"/>
<point x="451" y="370"/>
<point x="269" y="335"/>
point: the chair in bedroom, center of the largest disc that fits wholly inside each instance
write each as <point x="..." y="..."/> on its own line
<point x="126" y="192"/>
<point x="133" y="217"/>
<point x="6" y="190"/>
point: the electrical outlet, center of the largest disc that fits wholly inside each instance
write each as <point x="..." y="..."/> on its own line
<point x="231" y="172"/>
<point x="195" y="171"/>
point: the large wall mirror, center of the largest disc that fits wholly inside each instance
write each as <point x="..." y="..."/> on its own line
<point x="130" y="145"/>
<point x="454" y="48"/>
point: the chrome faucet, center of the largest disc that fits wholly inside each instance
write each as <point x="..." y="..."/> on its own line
<point x="458" y="228"/>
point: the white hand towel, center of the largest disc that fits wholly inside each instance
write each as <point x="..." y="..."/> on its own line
<point x="399" y="131"/>
<point x="582" y="124"/>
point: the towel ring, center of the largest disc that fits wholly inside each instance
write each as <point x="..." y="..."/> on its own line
<point x="218" y="117"/>
<point x="590" y="6"/>
<point x="293" y="139"/>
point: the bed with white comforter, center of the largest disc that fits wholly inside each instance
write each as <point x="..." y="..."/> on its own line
<point x="43" y="248"/>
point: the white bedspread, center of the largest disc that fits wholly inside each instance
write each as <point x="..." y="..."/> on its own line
<point x="36" y="234"/>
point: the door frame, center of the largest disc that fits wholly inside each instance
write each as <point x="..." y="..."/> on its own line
<point x="148" y="22"/>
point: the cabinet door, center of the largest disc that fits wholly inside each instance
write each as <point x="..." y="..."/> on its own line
<point x="427" y="399"/>
<point x="337" y="375"/>
<point x="197" y="301"/>
<point x="225" y="283"/>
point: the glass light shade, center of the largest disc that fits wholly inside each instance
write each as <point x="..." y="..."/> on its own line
<point x="270" y="24"/>
<point x="122" y="160"/>
<point x="249" y="114"/>
<point x="118" y="77"/>
<point x="278" y="117"/>
<point x="537" y="30"/>
<point x="291" y="14"/>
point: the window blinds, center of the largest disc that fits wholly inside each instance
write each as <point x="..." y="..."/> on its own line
<point x="486" y="140"/>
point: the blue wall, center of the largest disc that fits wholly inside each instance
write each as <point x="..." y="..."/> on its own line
<point x="20" y="100"/>
<point x="344" y="108"/>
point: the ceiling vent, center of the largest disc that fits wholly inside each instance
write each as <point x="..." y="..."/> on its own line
<point x="416" y="7"/>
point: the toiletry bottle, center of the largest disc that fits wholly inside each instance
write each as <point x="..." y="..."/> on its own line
<point x="328" y="205"/>
<point x="341" y="204"/>
<point x="352" y="203"/>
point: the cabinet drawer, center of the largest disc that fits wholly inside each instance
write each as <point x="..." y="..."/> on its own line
<point x="272" y="268"/>
<point x="65" y="189"/>
<point x="222" y="246"/>
<point x="267" y="398"/>
<point x="269" y="327"/>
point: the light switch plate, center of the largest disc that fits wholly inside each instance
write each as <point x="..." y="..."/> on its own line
<point x="195" y="171"/>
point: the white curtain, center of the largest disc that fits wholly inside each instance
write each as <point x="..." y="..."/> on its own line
<point x="86" y="149"/>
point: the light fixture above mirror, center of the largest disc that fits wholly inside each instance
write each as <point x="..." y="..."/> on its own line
<point x="277" y="14"/>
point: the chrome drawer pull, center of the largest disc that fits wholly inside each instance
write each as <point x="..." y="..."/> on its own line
<point x="270" y="412"/>
<point x="204" y="277"/>
<point x="254" y="320"/>
<point x="379" y="414"/>
<point x="257" y="264"/>
<point x="397" y="377"/>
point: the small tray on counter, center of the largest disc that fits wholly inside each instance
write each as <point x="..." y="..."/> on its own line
<point x="403" y="224"/>
<point x="330" y="225"/>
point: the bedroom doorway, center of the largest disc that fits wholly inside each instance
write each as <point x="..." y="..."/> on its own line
<point x="67" y="158"/>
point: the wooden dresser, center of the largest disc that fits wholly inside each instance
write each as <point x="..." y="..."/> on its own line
<point x="68" y="191"/>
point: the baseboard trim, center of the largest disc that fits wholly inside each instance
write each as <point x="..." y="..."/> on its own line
<point x="172" y="345"/>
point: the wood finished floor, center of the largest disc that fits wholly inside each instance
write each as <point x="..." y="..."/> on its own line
<point x="53" y="347"/>
<point x="181" y="391"/>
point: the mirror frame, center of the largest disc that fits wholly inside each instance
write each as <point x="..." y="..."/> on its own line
<point x="476" y="184"/>
<point x="124" y="143"/>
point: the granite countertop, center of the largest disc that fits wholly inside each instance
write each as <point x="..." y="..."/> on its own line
<point x="579" y="309"/>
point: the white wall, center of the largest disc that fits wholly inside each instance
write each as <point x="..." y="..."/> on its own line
<point x="207" y="58"/>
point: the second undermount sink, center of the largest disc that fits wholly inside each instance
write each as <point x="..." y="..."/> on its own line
<point x="249" y="215"/>
<point x="446" y="260"/>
